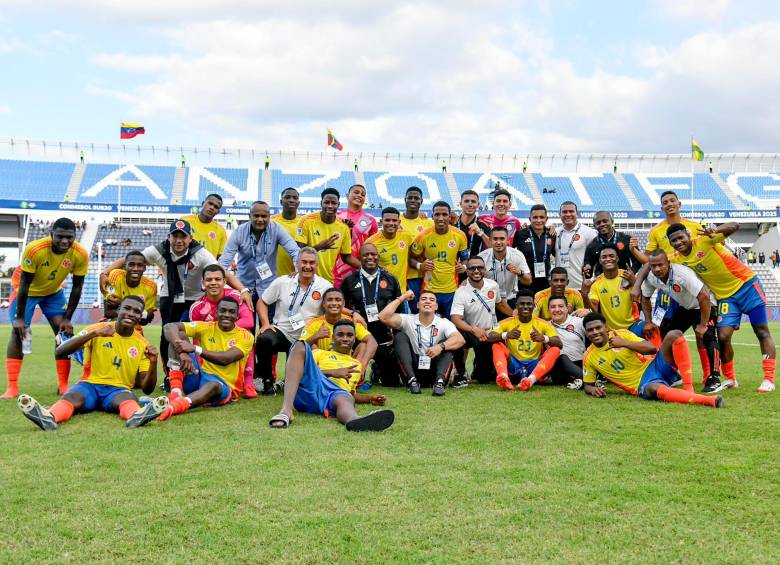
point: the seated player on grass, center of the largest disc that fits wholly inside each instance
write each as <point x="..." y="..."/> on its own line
<point x="319" y="332"/>
<point x="324" y="382"/>
<point x="216" y="379"/>
<point x="116" y="360"/>
<point x="121" y="283"/>
<point x="627" y="361"/>
<point x="525" y="348"/>
<point x="568" y="368"/>
<point x="205" y="310"/>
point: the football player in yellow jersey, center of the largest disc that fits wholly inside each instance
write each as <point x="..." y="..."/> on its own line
<point x="318" y="333"/>
<point x="120" y="283"/>
<point x="116" y="360"/>
<point x="559" y="279"/>
<point x="393" y="246"/>
<point x="610" y="293"/>
<point x="46" y="263"/>
<point x="289" y="220"/>
<point x="737" y="289"/>
<point x="525" y="348"/>
<point x="626" y="360"/>
<point x="217" y="378"/>
<point x="327" y="234"/>
<point x="205" y="229"/>
<point x="414" y="224"/>
<point x="325" y="382"/>
<point x="439" y="251"/>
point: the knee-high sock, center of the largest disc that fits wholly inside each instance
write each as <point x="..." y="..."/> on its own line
<point x="728" y="370"/>
<point x="682" y="358"/>
<point x="63" y="374"/>
<point x="13" y="367"/>
<point x="128" y="408"/>
<point x="768" y="365"/>
<point x="500" y="361"/>
<point x="705" y="363"/>
<point x="176" y="379"/>
<point x="62" y="410"/>
<point x="669" y="394"/>
<point x="545" y="364"/>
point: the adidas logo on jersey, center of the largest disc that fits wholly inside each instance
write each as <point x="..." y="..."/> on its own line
<point x="108" y="345"/>
<point x="603" y="291"/>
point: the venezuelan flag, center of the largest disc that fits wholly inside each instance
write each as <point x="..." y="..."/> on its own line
<point x="129" y="130"/>
<point x="333" y="142"/>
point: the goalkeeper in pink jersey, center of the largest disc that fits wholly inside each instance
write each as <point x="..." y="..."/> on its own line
<point x="363" y="226"/>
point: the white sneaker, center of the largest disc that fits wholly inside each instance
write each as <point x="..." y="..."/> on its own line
<point x="730" y="383"/>
<point x="766" y="386"/>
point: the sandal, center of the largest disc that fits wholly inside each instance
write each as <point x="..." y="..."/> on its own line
<point x="280" y="418"/>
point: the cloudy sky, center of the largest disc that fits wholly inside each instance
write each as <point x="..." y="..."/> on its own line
<point x="457" y="76"/>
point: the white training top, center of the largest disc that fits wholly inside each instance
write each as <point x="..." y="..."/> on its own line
<point x="477" y="306"/>
<point x="307" y="301"/>
<point x="572" y="334"/>
<point x="570" y="248"/>
<point x="423" y="337"/>
<point x="682" y="285"/>
<point x="496" y="270"/>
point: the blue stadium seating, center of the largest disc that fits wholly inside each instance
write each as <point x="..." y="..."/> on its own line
<point x="31" y="179"/>
<point x="161" y="176"/>
<point x="753" y="185"/>
<point x="236" y="177"/>
<point x="605" y="192"/>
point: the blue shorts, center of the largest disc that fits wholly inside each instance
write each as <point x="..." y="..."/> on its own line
<point x="415" y="285"/>
<point x="98" y="397"/>
<point x="444" y="301"/>
<point x="316" y="392"/>
<point x="637" y="327"/>
<point x="51" y="306"/>
<point x="194" y="381"/>
<point x="749" y="299"/>
<point x="658" y="371"/>
<point x="521" y="368"/>
<point x="663" y="300"/>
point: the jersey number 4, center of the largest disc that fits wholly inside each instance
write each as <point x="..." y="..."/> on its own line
<point x="117" y="362"/>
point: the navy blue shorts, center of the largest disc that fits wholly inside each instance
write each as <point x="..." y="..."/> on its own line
<point x="194" y="381"/>
<point x="98" y="397"/>
<point x="658" y="371"/>
<point x="52" y="305"/>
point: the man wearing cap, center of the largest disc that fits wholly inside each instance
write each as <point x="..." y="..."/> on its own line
<point x="181" y="261"/>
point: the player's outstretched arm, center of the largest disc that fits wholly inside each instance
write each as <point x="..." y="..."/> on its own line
<point x="118" y="264"/>
<point x="77" y="342"/>
<point x="636" y="290"/>
<point x="21" y="303"/>
<point x="223" y="358"/>
<point x="73" y="302"/>
<point x="246" y="295"/>
<point x="368" y="350"/>
<point x="388" y="316"/>
<point x="594" y="390"/>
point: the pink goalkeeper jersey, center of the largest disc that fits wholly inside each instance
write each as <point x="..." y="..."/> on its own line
<point x="363" y="226"/>
<point x="204" y="310"/>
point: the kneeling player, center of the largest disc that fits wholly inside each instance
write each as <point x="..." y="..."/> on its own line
<point x="116" y="359"/>
<point x="216" y="379"/>
<point x="626" y="360"/>
<point x="531" y="350"/>
<point x="324" y="382"/>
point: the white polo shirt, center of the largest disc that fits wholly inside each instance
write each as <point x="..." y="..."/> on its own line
<point x="191" y="274"/>
<point x="572" y="334"/>
<point x="570" y="246"/>
<point x="682" y="285"/>
<point x="477" y="305"/>
<point x="496" y="270"/>
<point x="423" y="337"/>
<point x="307" y="301"/>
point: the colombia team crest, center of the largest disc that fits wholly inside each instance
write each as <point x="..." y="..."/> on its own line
<point x="451" y="244"/>
<point x="382" y="283"/>
<point x="676" y="287"/>
<point x="620" y="245"/>
<point x="491" y="294"/>
<point x="212" y="235"/>
<point x="316" y="295"/>
<point x="132" y="352"/>
<point x="66" y="263"/>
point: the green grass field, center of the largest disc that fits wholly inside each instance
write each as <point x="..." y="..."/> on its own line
<point x="478" y="476"/>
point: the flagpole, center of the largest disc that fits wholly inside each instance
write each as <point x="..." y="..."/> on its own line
<point x="693" y="178"/>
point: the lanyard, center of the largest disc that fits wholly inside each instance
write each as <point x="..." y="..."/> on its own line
<point x="255" y="243"/>
<point x="533" y="247"/>
<point x="364" y="282"/>
<point x="305" y="295"/>
<point x="482" y="300"/>
<point x="503" y="269"/>
<point x="470" y="233"/>
<point x="571" y="241"/>
<point x="419" y="337"/>
<point x="610" y="240"/>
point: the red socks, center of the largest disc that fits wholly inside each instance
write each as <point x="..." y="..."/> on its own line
<point x="175" y="379"/>
<point x="62" y="410"/>
<point x="128" y="408"/>
<point x="682" y="357"/>
<point x="705" y="364"/>
<point x="728" y="370"/>
<point x="768" y="365"/>
<point x="669" y="394"/>
<point x="500" y="358"/>
<point x="13" y="367"/>
<point x="63" y="374"/>
<point x="546" y="363"/>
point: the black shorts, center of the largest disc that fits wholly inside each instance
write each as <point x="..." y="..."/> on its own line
<point x="683" y="319"/>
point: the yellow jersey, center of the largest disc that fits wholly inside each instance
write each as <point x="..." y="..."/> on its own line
<point x="284" y="263"/>
<point x="312" y="230"/>
<point x="394" y="254"/>
<point x="327" y="360"/>
<point x="115" y="360"/>
<point x="542" y="301"/>
<point x="445" y="250"/>
<point x="622" y="366"/>
<point x="524" y="348"/>
<point x="210" y="235"/>
<point x="720" y="270"/>
<point x="211" y="338"/>
<point x="324" y="343"/>
<point x="414" y="228"/>
<point x="146" y="289"/>
<point x="657" y="239"/>
<point x="51" y="269"/>
<point x="614" y="301"/>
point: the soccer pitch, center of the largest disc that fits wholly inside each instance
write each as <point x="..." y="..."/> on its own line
<point x="480" y="475"/>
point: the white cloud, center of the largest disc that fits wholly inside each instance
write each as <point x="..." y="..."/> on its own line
<point x="5" y="109"/>
<point x="696" y="10"/>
